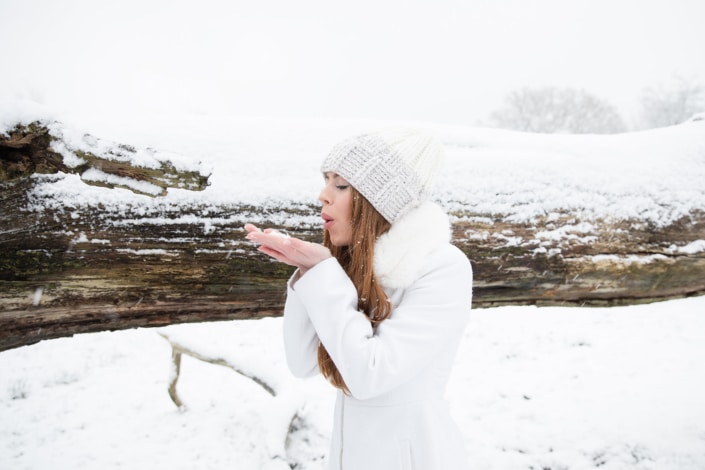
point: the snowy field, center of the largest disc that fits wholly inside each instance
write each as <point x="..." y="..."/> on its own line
<point x="551" y="388"/>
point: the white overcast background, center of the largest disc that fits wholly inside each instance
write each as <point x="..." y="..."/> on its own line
<point x="441" y="61"/>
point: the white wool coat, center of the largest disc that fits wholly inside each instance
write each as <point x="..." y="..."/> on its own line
<point x="395" y="416"/>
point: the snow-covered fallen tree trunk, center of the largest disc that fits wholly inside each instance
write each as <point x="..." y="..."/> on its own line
<point x="86" y="247"/>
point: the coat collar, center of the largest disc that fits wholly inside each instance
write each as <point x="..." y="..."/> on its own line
<point x="402" y="252"/>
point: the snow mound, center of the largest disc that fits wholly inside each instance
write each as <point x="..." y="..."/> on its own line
<point x="654" y="176"/>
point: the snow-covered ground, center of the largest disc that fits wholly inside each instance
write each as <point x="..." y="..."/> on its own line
<point x="550" y="388"/>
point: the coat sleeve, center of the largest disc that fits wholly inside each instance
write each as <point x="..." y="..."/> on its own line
<point x="433" y="311"/>
<point x="300" y="339"/>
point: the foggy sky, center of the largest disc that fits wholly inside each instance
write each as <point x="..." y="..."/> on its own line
<point x="443" y="61"/>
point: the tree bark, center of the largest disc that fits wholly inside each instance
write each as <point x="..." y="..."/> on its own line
<point x="61" y="274"/>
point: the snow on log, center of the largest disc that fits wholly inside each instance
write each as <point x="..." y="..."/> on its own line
<point x="98" y="235"/>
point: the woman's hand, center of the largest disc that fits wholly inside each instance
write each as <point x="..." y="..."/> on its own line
<point x="289" y="250"/>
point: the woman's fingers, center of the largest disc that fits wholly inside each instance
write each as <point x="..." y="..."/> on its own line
<point x="272" y="243"/>
<point x="251" y="228"/>
<point x="267" y="235"/>
<point x="286" y="249"/>
<point x="270" y="237"/>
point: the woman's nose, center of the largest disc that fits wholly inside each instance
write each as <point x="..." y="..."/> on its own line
<point x="324" y="197"/>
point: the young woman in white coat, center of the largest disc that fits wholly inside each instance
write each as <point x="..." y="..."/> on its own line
<point x="379" y="309"/>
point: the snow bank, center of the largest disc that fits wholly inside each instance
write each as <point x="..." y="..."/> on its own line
<point x="655" y="176"/>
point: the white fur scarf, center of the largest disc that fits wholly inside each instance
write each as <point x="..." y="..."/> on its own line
<point x="403" y="251"/>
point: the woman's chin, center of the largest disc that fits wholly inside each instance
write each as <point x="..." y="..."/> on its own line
<point x="338" y="241"/>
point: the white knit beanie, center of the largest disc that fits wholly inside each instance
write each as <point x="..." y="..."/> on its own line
<point x="395" y="169"/>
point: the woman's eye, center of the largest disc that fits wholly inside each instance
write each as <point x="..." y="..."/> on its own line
<point x="342" y="187"/>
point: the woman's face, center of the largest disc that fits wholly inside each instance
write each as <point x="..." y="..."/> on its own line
<point x="336" y="212"/>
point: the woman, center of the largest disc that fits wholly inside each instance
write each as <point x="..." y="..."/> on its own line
<point x="379" y="309"/>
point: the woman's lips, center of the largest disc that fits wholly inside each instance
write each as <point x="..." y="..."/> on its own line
<point x="327" y="221"/>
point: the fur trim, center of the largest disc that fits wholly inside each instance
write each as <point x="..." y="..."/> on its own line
<point x="403" y="251"/>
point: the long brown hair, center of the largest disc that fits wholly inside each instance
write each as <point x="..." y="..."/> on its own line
<point x="356" y="259"/>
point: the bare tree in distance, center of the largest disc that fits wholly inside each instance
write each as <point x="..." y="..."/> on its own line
<point x="557" y="110"/>
<point x="672" y="103"/>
